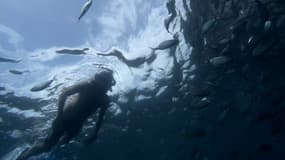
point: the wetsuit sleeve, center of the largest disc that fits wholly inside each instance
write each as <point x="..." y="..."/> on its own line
<point x="67" y="92"/>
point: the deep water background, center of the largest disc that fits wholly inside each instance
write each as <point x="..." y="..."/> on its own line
<point x="199" y="110"/>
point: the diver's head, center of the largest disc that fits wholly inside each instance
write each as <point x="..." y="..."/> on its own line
<point x="104" y="79"/>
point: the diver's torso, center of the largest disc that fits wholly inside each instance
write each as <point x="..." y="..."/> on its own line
<point x="81" y="105"/>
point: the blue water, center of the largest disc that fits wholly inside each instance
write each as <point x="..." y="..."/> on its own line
<point x="216" y="94"/>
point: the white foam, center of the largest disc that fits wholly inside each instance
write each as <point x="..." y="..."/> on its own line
<point x="25" y="113"/>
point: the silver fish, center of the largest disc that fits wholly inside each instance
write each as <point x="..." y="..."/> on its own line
<point x="267" y="25"/>
<point x="17" y="71"/>
<point x="41" y="86"/>
<point x="219" y="60"/>
<point x="72" y="51"/>
<point x="166" y="44"/>
<point x="167" y="22"/>
<point x="2" y="59"/>
<point x="208" y="25"/>
<point x="84" y="9"/>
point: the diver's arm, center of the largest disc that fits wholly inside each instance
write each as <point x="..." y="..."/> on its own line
<point x="94" y="133"/>
<point x="99" y="122"/>
<point x="67" y="92"/>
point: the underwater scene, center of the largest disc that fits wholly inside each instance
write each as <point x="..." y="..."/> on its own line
<point x="142" y="80"/>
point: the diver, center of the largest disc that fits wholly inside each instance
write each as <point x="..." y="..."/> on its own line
<point x="75" y="105"/>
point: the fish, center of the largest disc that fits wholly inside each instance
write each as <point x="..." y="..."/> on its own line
<point x="72" y="51"/>
<point x="224" y="41"/>
<point x="166" y="44"/>
<point x="41" y="86"/>
<point x="84" y="9"/>
<point x="200" y="103"/>
<point x="265" y="46"/>
<point x="219" y="60"/>
<point x="167" y="22"/>
<point x="170" y="5"/>
<point x="17" y="72"/>
<point x="267" y="25"/>
<point x="208" y="25"/>
<point x="2" y="59"/>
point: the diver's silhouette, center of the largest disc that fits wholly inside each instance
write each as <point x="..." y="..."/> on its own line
<point x="91" y="95"/>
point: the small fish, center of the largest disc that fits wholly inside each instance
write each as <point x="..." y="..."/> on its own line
<point x="219" y="60"/>
<point x="250" y="39"/>
<point x="267" y="25"/>
<point x="263" y="47"/>
<point x="72" y="51"/>
<point x="17" y="72"/>
<point x="208" y="25"/>
<point x="167" y="22"/>
<point x="170" y="5"/>
<point x="84" y="9"/>
<point x="225" y="50"/>
<point x="166" y="44"/>
<point x="41" y="86"/>
<point x="2" y="59"/>
<point x="200" y="103"/>
<point x="224" y="41"/>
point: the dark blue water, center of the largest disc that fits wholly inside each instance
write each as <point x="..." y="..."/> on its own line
<point x="231" y="107"/>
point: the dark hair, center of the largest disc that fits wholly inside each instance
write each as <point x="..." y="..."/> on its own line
<point x="105" y="76"/>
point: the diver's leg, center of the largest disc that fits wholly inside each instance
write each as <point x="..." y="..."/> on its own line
<point x="65" y="139"/>
<point x="69" y="134"/>
<point x="41" y="147"/>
